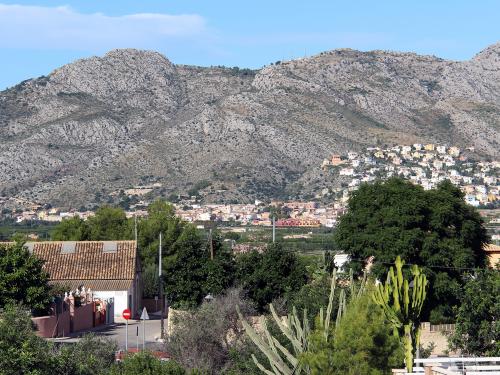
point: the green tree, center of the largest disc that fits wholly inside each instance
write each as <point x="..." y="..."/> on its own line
<point x="150" y="281"/>
<point x="146" y="364"/>
<point x="219" y="270"/>
<point x="109" y="224"/>
<point x="21" y="351"/>
<point x="72" y="229"/>
<point x="435" y="229"/>
<point x="161" y="218"/>
<point x="192" y="274"/>
<point x="269" y="275"/>
<point x="477" y="331"/>
<point x="185" y="270"/>
<point x="312" y="297"/>
<point x="22" y="279"/>
<point x="95" y="355"/>
<point x="362" y="343"/>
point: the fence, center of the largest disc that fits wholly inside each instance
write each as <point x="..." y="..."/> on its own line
<point x="438" y="327"/>
<point x="455" y="366"/>
<point x="72" y="314"/>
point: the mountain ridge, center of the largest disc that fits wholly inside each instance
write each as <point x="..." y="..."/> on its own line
<point x="102" y="124"/>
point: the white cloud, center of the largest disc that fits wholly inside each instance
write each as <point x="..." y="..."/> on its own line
<point x="64" y="28"/>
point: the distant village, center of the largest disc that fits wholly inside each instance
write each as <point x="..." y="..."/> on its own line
<point x="425" y="165"/>
<point x="300" y="214"/>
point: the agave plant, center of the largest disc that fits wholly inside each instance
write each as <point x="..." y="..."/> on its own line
<point x="297" y="331"/>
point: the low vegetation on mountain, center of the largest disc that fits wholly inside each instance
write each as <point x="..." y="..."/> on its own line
<point x="132" y="118"/>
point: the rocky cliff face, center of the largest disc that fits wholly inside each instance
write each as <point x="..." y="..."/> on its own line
<point x="130" y="117"/>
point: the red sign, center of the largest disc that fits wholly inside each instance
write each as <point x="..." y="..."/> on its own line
<point x="126" y="314"/>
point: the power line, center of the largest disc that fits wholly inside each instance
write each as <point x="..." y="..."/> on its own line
<point x="413" y="264"/>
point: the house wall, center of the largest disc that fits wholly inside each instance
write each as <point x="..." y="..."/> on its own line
<point x="120" y="299"/>
<point x="83" y="317"/>
<point x="494" y="258"/>
<point x="53" y="326"/>
<point x="438" y="335"/>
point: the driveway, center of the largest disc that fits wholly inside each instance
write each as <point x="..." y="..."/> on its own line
<point x="118" y="332"/>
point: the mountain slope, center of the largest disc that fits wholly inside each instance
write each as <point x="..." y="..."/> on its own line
<point x="107" y="123"/>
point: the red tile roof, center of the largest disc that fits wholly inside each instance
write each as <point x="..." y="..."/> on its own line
<point x="87" y="260"/>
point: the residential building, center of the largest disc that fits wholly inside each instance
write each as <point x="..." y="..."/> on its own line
<point x="336" y="160"/>
<point x="493" y="252"/>
<point x="454" y="151"/>
<point x="441" y="149"/>
<point x="110" y="269"/>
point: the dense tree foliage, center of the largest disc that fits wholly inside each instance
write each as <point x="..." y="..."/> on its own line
<point x="477" y="330"/>
<point x="108" y="224"/>
<point x="22" y="279"/>
<point x="362" y="343"/>
<point x="22" y="352"/>
<point x="95" y="354"/>
<point x="71" y="229"/>
<point x="269" y="275"/>
<point x="161" y="219"/>
<point x="312" y="297"/>
<point x="192" y="274"/>
<point x="435" y="229"/>
<point x="145" y="363"/>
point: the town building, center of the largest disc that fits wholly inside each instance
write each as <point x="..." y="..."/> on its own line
<point x="110" y="269"/>
<point x="493" y="252"/>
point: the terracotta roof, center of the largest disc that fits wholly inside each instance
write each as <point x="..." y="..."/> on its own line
<point x="87" y="260"/>
<point x="492" y="248"/>
<point x="95" y="285"/>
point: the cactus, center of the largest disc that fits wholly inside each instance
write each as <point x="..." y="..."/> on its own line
<point x="297" y="331"/>
<point x="402" y="308"/>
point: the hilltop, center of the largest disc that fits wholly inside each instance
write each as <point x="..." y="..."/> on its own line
<point x="132" y="118"/>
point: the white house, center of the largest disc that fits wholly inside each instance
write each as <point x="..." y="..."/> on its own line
<point x="109" y="268"/>
<point x="346" y="172"/>
<point x="340" y="260"/>
<point x="441" y="149"/>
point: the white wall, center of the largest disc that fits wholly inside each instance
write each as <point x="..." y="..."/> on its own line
<point x="120" y="297"/>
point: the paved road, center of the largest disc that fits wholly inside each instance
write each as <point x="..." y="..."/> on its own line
<point x="117" y="332"/>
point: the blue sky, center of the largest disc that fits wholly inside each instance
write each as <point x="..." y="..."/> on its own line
<point x="39" y="36"/>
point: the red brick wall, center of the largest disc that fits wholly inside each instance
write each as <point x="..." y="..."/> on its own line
<point x="83" y="317"/>
<point x="53" y="326"/>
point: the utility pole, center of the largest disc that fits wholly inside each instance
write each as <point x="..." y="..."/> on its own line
<point x="274" y="229"/>
<point x="135" y="227"/>
<point x="162" y="323"/>
<point x="211" y="246"/>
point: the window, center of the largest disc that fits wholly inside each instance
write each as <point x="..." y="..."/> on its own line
<point x="68" y="247"/>
<point x="110" y="247"/>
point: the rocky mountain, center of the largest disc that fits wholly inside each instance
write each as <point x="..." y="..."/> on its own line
<point x="132" y="117"/>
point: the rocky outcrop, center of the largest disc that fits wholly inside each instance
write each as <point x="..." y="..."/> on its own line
<point x="129" y="117"/>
